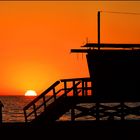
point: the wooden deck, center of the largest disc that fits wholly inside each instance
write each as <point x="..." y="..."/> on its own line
<point x="45" y="110"/>
<point x="66" y="93"/>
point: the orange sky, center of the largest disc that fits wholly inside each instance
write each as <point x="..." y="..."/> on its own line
<point x="36" y="38"/>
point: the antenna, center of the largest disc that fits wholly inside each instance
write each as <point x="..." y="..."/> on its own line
<point x="87" y="40"/>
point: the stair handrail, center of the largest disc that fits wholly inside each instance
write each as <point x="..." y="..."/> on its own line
<point x="41" y="95"/>
<point x="50" y="88"/>
<point x="75" y="81"/>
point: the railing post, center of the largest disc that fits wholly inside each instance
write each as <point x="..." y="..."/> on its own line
<point x="54" y="94"/>
<point x="1" y="105"/>
<point x="86" y="87"/>
<point x="74" y="89"/>
<point x="44" y="102"/>
<point x="83" y="88"/>
<point x="25" y="116"/>
<point x="65" y="86"/>
<point x="92" y="87"/>
<point x="35" y="110"/>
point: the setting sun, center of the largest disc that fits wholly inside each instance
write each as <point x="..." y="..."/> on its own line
<point x="30" y="93"/>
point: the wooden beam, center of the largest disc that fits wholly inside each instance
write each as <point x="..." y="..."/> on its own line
<point x="111" y="45"/>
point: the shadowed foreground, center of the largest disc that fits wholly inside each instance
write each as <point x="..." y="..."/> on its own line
<point x="72" y="130"/>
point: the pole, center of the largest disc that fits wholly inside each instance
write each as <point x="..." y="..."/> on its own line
<point x="98" y="30"/>
<point x="1" y="105"/>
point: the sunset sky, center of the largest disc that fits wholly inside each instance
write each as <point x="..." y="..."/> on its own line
<point x="36" y="38"/>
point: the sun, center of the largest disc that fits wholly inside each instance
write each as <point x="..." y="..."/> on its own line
<point x="30" y="93"/>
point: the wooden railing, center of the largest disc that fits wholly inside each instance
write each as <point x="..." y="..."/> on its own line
<point x="85" y="85"/>
<point x="67" y="87"/>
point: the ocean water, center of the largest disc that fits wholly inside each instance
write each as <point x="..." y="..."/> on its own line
<point x="13" y="109"/>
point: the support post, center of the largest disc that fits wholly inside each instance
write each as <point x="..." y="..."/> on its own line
<point x="72" y="113"/>
<point x="122" y="111"/>
<point x="1" y="106"/>
<point x="34" y="107"/>
<point x="97" y="111"/>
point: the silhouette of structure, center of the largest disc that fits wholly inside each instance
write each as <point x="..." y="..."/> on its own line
<point x="114" y="78"/>
<point x="1" y="106"/>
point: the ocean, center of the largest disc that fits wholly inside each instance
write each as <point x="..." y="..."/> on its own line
<point x="13" y="109"/>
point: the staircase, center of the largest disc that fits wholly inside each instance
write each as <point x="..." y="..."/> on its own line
<point x="59" y="98"/>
